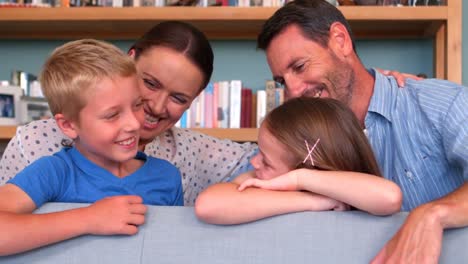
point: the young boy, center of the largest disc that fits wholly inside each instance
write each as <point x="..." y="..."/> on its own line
<point x="92" y="90"/>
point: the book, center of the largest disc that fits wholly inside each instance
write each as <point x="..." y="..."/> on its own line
<point x="223" y="104"/>
<point x="215" y="105"/>
<point x="279" y="96"/>
<point x="270" y="87"/>
<point x="261" y="106"/>
<point x="235" y="90"/>
<point x="246" y="107"/>
<point x="253" y="111"/>
<point x="208" y="120"/>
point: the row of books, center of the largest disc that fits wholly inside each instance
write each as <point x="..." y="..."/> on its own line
<point x="137" y="3"/>
<point x="227" y="104"/>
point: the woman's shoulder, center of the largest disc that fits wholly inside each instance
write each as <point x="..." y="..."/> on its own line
<point x="39" y="138"/>
<point x="46" y="129"/>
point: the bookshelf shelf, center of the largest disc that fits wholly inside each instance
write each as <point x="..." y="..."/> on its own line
<point x="7" y="132"/>
<point x="235" y="134"/>
<point x="239" y="135"/>
<point x="216" y="22"/>
<point x="441" y="23"/>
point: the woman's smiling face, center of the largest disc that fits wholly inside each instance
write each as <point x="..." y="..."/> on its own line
<point x="169" y="82"/>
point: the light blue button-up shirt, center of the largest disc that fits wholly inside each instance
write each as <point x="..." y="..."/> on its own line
<point x="419" y="135"/>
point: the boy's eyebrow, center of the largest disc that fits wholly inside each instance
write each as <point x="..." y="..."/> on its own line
<point x="110" y="109"/>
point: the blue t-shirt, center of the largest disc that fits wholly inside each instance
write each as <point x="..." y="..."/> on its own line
<point x="68" y="176"/>
<point x="419" y="135"/>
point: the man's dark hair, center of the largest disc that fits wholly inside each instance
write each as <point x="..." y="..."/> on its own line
<point x="314" y="18"/>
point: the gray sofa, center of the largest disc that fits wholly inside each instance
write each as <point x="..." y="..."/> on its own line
<point x="175" y="235"/>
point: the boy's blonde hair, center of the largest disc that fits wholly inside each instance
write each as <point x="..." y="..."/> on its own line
<point x="75" y="67"/>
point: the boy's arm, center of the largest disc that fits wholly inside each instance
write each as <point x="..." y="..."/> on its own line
<point x="366" y="192"/>
<point x="222" y="203"/>
<point x="23" y="231"/>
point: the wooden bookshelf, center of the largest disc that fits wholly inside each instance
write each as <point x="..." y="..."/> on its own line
<point x="235" y="134"/>
<point x="441" y="23"/>
<point x="239" y="135"/>
<point x="7" y="132"/>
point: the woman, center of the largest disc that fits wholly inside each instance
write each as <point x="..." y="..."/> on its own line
<point x="174" y="61"/>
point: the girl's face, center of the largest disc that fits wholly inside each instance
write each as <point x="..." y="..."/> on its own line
<point x="169" y="82"/>
<point x="272" y="159"/>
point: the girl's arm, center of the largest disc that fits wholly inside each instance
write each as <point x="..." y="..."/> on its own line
<point x="223" y="204"/>
<point x="20" y="230"/>
<point x="202" y="160"/>
<point x="366" y="192"/>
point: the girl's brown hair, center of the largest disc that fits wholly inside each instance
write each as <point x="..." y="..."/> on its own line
<point x="342" y="146"/>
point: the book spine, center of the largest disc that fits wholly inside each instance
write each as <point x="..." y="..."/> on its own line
<point x="261" y="106"/>
<point x="235" y="103"/>
<point x="270" y="95"/>
<point x="208" y="122"/>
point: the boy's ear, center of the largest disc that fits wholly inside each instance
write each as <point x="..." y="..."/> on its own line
<point x="67" y="126"/>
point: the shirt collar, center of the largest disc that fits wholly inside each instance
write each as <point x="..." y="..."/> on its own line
<point x="383" y="98"/>
<point x="92" y="168"/>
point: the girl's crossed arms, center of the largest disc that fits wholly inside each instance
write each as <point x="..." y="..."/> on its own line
<point x="313" y="156"/>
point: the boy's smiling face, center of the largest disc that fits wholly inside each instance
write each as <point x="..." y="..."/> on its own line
<point x="108" y="126"/>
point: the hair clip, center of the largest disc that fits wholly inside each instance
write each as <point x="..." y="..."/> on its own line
<point x="310" y="150"/>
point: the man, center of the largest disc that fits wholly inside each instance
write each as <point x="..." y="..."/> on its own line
<point x="419" y="134"/>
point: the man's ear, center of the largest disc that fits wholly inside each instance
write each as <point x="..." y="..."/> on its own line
<point x="339" y="40"/>
<point x="67" y="126"/>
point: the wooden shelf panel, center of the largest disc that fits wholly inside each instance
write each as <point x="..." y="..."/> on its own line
<point x="7" y="132"/>
<point x="239" y="135"/>
<point x="216" y="22"/>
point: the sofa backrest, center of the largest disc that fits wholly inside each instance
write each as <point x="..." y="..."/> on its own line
<point x="175" y="235"/>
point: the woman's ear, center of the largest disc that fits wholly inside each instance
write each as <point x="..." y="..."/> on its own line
<point x="67" y="126"/>
<point x="131" y="53"/>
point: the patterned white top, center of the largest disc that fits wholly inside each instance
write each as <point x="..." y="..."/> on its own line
<point x="201" y="159"/>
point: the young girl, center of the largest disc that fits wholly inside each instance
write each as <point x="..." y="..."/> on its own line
<point x="301" y="135"/>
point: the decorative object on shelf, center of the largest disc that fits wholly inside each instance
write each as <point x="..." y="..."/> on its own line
<point x="33" y="108"/>
<point x="427" y="2"/>
<point x="24" y="80"/>
<point x="366" y="2"/>
<point x="346" y="2"/>
<point x="393" y="2"/>
<point x="10" y="105"/>
<point x="181" y="2"/>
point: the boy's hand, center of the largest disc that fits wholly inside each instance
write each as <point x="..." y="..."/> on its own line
<point x="116" y="215"/>
<point x="285" y="182"/>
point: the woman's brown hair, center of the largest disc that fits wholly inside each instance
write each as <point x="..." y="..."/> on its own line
<point x="183" y="38"/>
<point x="342" y="145"/>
